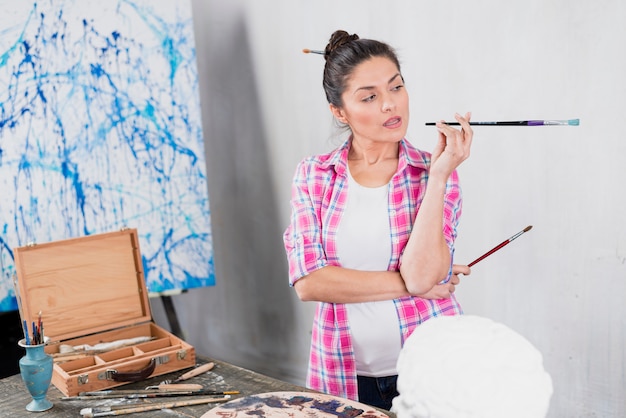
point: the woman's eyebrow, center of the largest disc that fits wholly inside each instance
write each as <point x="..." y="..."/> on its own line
<point x="391" y="80"/>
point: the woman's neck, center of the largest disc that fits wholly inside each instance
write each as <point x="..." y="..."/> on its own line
<point x="371" y="153"/>
<point x="373" y="165"/>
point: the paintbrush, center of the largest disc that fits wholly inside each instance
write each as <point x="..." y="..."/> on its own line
<point x="313" y="51"/>
<point x="18" y="298"/>
<point x="154" y="389"/>
<point x="106" y="411"/>
<point x="502" y="244"/>
<point x="141" y="395"/>
<point x="192" y="373"/>
<point x="40" y="329"/>
<point x="568" y="122"/>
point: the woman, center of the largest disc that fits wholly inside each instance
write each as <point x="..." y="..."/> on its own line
<point x="373" y="226"/>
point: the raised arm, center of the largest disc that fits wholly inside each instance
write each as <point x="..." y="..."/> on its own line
<point x="426" y="258"/>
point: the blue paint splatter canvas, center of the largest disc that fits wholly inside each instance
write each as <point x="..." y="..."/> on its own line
<point x="100" y="129"/>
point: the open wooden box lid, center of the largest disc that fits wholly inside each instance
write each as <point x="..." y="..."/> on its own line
<point x="83" y="285"/>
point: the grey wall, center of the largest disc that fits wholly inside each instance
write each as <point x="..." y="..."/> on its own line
<point x="561" y="285"/>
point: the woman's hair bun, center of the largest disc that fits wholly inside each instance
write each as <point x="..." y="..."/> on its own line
<point x="337" y="40"/>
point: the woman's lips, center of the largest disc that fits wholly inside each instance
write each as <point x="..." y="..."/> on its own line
<point x="393" y="123"/>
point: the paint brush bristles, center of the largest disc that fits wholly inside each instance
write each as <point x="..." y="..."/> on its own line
<point x="313" y="51"/>
<point x="568" y="122"/>
<point x="502" y="244"/>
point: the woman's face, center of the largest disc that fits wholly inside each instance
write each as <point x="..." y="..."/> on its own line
<point x="375" y="102"/>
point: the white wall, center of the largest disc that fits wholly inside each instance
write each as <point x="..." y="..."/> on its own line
<point x="561" y="285"/>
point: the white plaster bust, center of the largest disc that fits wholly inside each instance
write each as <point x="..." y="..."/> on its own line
<point x="470" y="367"/>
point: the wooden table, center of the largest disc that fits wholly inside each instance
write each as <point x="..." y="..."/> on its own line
<point x="223" y="377"/>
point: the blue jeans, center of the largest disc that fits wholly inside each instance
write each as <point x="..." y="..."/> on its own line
<point x="377" y="391"/>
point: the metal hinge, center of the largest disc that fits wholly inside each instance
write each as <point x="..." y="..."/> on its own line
<point x="162" y="359"/>
<point x="107" y="375"/>
<point x="82" y="379"/>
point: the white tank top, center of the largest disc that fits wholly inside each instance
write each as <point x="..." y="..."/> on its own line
<point x="364" y="243"/>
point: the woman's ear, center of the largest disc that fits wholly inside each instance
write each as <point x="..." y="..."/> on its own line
<point x="338" y="114"/>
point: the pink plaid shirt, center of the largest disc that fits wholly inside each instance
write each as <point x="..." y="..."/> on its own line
<point x="319" y="193"/>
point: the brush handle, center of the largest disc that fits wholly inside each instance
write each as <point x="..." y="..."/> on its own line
<point x="502" y="123"/>
<point x="488" y="253"/>
<point x="198" y="370"/>
<point x="571" y="122"/>
<point x="173" y="387"/>
<point x="502" y="244"/>
<point x="117" y="410"/>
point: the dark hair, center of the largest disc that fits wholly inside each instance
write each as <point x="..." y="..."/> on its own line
<point x="342" y="54"/>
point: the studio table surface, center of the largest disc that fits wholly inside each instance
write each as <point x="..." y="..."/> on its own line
<point x="223" y="377"/>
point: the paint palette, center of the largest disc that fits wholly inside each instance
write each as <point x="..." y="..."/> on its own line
<point x="293" y="405"/>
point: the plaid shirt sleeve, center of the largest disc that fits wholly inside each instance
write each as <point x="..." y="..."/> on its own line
<point x="302" y="238"/>
<point x="451" y="209"/>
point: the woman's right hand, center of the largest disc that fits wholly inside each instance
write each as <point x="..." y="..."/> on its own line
<point x="453" y="146"/>
<point x="445" y="290"/>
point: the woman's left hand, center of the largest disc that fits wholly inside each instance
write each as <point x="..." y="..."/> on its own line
<point x="445" y="290"/>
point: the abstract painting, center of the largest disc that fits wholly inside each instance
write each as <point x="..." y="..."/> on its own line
<point x="100" y="129"/>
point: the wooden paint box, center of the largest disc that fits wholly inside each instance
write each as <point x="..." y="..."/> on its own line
<point x="91" y="290"/>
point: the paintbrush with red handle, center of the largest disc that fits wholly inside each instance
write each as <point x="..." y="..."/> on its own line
<point x="502" y="244"/>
